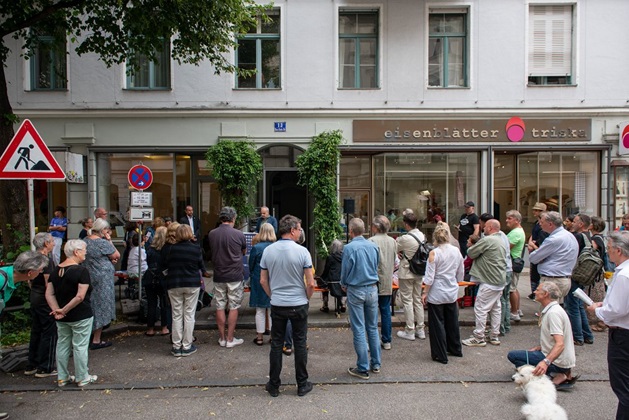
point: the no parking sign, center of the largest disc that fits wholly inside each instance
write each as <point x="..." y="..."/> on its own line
<point x="140" y="177"/>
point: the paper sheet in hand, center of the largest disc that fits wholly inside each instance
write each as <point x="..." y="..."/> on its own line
<point x="579" y="293"/>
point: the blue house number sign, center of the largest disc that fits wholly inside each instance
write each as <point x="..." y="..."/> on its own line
<point x="280" y="126"/>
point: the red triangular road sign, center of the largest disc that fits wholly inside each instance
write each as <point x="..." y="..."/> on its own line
<point x="28" y="157"/>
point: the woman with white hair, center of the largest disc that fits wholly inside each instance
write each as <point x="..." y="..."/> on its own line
<point x="68" y="294"/>
<point x="99" y="260"/>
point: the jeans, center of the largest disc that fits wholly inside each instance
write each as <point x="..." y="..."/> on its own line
<point x="155" y="293"/>
<point x="384" y="304"/>
<point x="73" y="337"/>
<point x="43" y="343"/>
<point x="534" y="277"/>
<point x="184" y="304"/>
<point x="362" y="302"/>
<point x="505" y="306"/>
<point x="527" y="357"/>
<point x="578" y="318"/>
<point x="298" y="316"/>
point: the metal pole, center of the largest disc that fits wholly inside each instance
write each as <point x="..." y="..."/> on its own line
<point x="140" y="263"/>
<point x="31" y="212"/>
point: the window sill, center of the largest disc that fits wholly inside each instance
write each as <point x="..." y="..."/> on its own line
<point x="167" y="89"/>
<point x="450" y="87"/>
<point x="376" y="88"/>
<point x="547" y="86"/>
<point x="260" y="89"/>
<point x="49" y="90"/>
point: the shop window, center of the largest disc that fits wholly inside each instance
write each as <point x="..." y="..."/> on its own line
<point x="355" y="172"/>
<point x="49" y="64"/>
<point x="551" y="42"/>
<point x="259" y="50"/>
<point x="150" y="74"/>
<point x="447" y="48"/>
<point x="358" y="49"/>
<point x="434" y="185"/>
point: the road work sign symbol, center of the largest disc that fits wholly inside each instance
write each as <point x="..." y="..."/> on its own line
<point x="28" y="157"/>
<point x="140" y="177"/>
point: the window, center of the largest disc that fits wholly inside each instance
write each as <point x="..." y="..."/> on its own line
<point x="259" y="50"/>
<point x="550" y="45"/>
<point x="149" y="74"/>
<point x="49" y="64"/>
<point x="358" y="50"/>
<point x="447" y="48"/>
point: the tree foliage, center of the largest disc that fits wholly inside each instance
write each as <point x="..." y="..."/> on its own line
<point x="237" y="168"/>
<point x="318" y="167"/>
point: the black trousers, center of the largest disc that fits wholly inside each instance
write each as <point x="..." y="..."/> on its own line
<point x="443" y="331"/>
<point x="618" y="365"/>
<point x="298" y="316"/>
<point x="42" y="348"/>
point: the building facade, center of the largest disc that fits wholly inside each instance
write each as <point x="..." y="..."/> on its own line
<point x="503" y="103"/>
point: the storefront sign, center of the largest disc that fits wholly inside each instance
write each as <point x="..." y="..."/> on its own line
<point x="510" y="130"/>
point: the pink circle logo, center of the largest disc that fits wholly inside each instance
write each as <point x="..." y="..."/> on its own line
<point x="515" y="129"/>
<point x="625" y="136"/>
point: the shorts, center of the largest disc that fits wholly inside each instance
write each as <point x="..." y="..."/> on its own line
<point x="515" y="278"/>
<point x="228" y="292"/>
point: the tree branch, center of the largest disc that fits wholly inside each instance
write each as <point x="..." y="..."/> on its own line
<point x="41" y="15"/>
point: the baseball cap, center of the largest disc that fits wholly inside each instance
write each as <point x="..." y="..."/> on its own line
<point x="470" y="204"/>
<point x="539" y="206"/>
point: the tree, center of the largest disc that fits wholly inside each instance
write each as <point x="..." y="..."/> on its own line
<point x="318" y="168"/>
<point x="237" y="168"/>
<point x="116" y="30"/>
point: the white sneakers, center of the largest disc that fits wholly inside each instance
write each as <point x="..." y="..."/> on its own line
<point x="515" y="317"/>
<point x="386" y="346"/>
<point x="235" y="342"/>
<point x="222" y="343"/>
<point x="421" y="334"/>
<point x="474" y="342"/>
<point x="406" y="335"/>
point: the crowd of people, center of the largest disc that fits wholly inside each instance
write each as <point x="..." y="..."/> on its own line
<point x="72" y="301"/>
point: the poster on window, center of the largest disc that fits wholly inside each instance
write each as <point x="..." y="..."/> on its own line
<point x="74" y="168"/>
<point x="623" y="141"/>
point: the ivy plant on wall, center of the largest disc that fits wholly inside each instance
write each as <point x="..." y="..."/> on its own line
<point x="237" y="168"/>
<point x="318" y="167"/>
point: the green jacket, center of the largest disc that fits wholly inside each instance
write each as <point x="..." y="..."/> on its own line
<point x="489" y="257"/>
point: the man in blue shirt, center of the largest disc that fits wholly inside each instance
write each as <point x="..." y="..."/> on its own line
<point x="265" y="217"/>
<point x="556" y="257"/>
<point x="57" y="228"/>
<point x="359" y="277"/>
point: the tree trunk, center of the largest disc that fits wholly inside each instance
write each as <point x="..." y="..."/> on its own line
<point x="13" y="194"/>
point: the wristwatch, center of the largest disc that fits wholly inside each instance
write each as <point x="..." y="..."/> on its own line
<point x="547" y="362"/>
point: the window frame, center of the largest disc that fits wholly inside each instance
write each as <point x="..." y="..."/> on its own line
<point x="53" y="54"/>
<point x="357" y="37"/>
<point x="163" y="55"/>
<point x="542" y="78"/>
<point x="446" y="37"/>
<point x="259" y="37"/>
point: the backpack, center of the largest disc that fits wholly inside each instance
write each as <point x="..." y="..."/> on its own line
<point x="417" y="263"/>
<point x="589" y="266"/>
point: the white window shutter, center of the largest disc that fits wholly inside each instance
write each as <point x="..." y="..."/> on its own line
<point x="550" y="40"/>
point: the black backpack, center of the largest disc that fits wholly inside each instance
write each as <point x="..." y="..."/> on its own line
<point x="417" y="263"/>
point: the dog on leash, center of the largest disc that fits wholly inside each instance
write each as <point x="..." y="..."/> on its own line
<point x="541" y="395"/>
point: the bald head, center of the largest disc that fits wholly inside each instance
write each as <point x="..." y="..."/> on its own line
<point x="492" y="226"/>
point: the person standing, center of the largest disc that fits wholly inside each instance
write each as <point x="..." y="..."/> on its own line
<point x="489" y="269"/>
<point x="193" y="221"/>
<point x="359" y="277"/>
<point x="100" y="213"/>
<point x="87" y="224"/>
<point x="469" y="225"/>
<point x="557" y="255"/>
<point x="535" y="241"/>
<point x="410" y="284"/>
<point x="284" y="266"/>
<point x="57" y="228"/>
<point x="443" y="274"/>
<point x="257" y="297"/>
<point x="43" y="342"/>
<point x="387" y="249"/>
<point x="517" y="239"/>
<point x="227" y="247"/>
<point x="265" y="217"/>
<point x="614" y="312"/>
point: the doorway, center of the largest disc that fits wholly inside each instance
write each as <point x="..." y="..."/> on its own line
<point x="284" y="196"/>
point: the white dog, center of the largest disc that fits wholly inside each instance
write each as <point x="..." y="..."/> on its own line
<point x="541" y="395"/>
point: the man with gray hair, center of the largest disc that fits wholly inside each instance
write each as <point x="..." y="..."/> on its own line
<point x="359" y="277"/>
<point x="100" y="213"/>
<point x="490" y="270"/>
<point x="555" y="355"/>
<point x="387" y="249"/>
<point x="227" y="247"/>
<point x="557" y="255"/>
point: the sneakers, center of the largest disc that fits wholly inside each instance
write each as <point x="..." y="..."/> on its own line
<point x="421" y="334"/>
<point x="44" y="374"/>
<point x="30" y="371"/>
<point x="301" y="391"/>
<point x="188" y="352"/>
<point x="520" y="312"/>
<point x="89" y="380"/>
<point x="222" y="343"/>
<point x="474" y="342"/>
<point x="355" y="372"/>
<point x="274" y="392"/>
<point x="235" y="342"/>
<point x="515" y="317"/>
<point x="375" y="369"/>
<point x="63" y="382"/>
<point x="175" y="352"/>
<point x="386" y="346"/>
<point x="494" y="341"/>
<point x="406" y="335"/>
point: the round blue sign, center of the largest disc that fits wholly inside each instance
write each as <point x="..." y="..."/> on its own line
<point x="140" y="177"/>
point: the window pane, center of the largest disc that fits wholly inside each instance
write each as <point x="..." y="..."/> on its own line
<point x="347" y="23"/>
<point x="368" y="77"/>
<point x="456" y="75"/>
<point x="454" y="23"/>
<point x="367" y="51"/>
<point x="355" y="172"/>
<point x="271" y="64"/>
<point x="273" y="25"/>
<point x="247" y="61"/>
<point x="435" y="23"/>
<point x="435" y="62"/>
<point x="367" y="23"/>
<point x="43" y="74"/>
<point x="347" y="60"/>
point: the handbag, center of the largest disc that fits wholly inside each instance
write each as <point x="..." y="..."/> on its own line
<point x="517" y="264"/>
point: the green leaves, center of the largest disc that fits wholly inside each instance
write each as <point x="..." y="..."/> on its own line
<point x="237" y="168"/>
<point x="318" y="167"/>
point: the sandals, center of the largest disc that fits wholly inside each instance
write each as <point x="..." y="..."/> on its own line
<point x="258" y="341"/>
<point x="287" y="351"/>
<point x="599" y="328"/>
<point x="567" y="384"/>
<point x="148" y="334"/>
<point x="101" y="345"/>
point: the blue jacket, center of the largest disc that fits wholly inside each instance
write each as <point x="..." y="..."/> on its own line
<point x="359" y="266"/>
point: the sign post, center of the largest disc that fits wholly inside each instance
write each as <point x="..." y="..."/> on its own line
<point x="27" y="157"/>
<point x="140" y="177"/>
